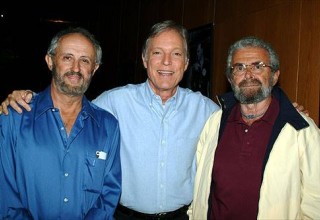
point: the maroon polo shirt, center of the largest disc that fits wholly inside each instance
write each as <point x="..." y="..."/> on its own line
<point x="238" y="164"/>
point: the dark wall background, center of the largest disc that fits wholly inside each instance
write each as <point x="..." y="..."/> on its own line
<point x="24" y="38"/>
<point x="292" y="26"/>
<point x="120" y="26"/>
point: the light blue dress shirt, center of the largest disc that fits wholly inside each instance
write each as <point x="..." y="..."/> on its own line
<point x="158" y="144"/>
<point x="45" y="174"/>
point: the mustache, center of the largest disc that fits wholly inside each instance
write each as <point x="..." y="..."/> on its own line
<point x="71" y="73"/>
<point x="250" y="82"/>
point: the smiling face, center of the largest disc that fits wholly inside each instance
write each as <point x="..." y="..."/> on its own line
<point x="73" y="64"/>
<point x="165" y="61"/>
<point x="250" y="87"/>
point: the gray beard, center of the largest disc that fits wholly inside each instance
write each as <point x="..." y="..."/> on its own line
<point x="258" y="96"/>
<point x="252" y="97"/>
<point x="65" y="88"/>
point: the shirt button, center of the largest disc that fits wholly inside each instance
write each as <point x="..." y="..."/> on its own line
<point x="66" y="200"/>
<point x="66" y="174"/>
<point x="246" y="130"/>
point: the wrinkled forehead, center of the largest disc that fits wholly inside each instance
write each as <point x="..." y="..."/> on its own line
<point x="168" y="40"/>
<point x="250" y="54"/>
<point x="75" y="43"/>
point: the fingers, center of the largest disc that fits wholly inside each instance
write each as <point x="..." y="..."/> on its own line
<point x="4" y="107"/>
<point x="300" y="108"/>
<point x="26" y="98"/>
<point x="295" y="104"/>
<point x="21" y="97"/>
<point x="10" y="100"/>
<point x="16" y="98"/>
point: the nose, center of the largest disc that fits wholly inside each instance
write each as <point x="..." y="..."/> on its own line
<point x="248" y="72"/>
<point x="76" y="66"/>
<point x="167" y="59"/>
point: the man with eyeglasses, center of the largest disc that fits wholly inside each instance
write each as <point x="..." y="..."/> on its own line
<point x="257" y="157"/>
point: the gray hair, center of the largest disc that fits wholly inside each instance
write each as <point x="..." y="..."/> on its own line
<point x="76" y="30"/>
<point x="162" y="27"/>
<point x="252" y="42"/>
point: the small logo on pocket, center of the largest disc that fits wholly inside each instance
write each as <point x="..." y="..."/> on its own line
<point x="101" y="155"/>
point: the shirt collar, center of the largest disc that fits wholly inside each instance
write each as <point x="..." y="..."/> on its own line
<point x="156" y="98"/>
<point x="287" y="112"/>
<point x="44" y="104"/>
<point x="269" y="117"/>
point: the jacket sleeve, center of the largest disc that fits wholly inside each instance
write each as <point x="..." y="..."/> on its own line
<point x="310" y="172"/>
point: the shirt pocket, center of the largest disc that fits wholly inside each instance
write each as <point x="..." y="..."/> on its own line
<point x="94" y="173"/>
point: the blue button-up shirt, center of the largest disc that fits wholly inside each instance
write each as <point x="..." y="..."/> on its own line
<point x="158" y="144"/>
<point x="46" y="174"/>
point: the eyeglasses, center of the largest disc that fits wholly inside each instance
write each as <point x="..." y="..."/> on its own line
<point x="239" y="69"/>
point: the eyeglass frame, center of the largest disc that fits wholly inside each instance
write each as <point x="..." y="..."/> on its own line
<point x="249" y="67"/>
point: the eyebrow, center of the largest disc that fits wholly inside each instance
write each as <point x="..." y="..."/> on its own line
<point x="254" y="63"/>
